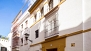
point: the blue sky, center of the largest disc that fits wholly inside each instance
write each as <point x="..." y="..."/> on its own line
<point x="8" y="10"/>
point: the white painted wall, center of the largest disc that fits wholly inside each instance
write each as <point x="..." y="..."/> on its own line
<point x="87" y="14"/>
<point x="70" y="16"/>
<point x="5" y="43"/>
<point x="87" y="24"/>
<point x="31" y="32"/>
<point x="55" y="2"/>
<point x="10" y="41"/>
<point x="40" y="26"/>
<point x="87" y="41"/>
<point x="24" y="47"/>
<point x="71" y="20"/>
<point x="36" y="48"/>
<point x="78" y="40"/>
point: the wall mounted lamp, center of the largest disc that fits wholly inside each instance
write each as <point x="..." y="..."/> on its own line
<point x="26" y="37"/>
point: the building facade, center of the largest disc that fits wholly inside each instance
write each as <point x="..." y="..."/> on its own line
<point x="55" y="25"/>
<point x="4" y="44"/>
<point x="10" y="41"/>
<point x="20" y="26"/>
<point x="15" y="33"/>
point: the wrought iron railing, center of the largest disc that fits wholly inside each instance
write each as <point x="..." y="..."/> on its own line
<point x="52" y="26"/>
<point x="15" y="42"/>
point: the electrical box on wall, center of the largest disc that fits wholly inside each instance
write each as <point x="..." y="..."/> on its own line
<point x="72" y="44"/>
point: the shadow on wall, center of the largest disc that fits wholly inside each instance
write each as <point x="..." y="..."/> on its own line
<point x="82" y="26"/>
<point x="87" y="23"/>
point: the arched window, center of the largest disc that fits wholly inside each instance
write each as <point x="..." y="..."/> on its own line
<point x="42" y="11"/>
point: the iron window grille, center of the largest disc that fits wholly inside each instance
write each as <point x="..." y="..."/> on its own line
<point x="51" y="27"/>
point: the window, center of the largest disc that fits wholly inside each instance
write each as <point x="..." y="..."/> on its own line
<point x="22" y="26"/>
<point x="26" y="22"/>
<point x="36" y="33"/>
<point x="3" y="49"/>
<point x="51" y="26"/>
<point x="50" y="4"/>
<point x="42" y="11"/>
<point x="38" y="15"/>
<point x="35" y="17"/>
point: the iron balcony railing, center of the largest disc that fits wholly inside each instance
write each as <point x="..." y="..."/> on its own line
<point x="52" y="26"/>
<point x="15" y="42"/>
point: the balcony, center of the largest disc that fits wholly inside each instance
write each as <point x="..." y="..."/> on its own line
<point x="51" y="26"/>
<point x="15" y="42"/>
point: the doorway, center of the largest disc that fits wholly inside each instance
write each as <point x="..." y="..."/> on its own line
<point x="53" y="49"/>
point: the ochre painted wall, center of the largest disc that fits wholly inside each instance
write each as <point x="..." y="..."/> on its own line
<point x="58" y="43"/>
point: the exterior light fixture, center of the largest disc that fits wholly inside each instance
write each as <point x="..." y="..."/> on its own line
<point x="26" y="37"/>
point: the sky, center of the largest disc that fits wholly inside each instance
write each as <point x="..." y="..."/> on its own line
<point x="8" y="11"/>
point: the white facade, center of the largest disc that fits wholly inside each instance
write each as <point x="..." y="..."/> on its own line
<point x="78" y="40"/>
<point x="23" y="27"/>
<point x="70" y="13"/>
<point x="71" y="20"/>
<point x="87" y="24"/>
<point x="4" y="43"/>
<point x="67" y="17"/>
<point x="10" y="41"/>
